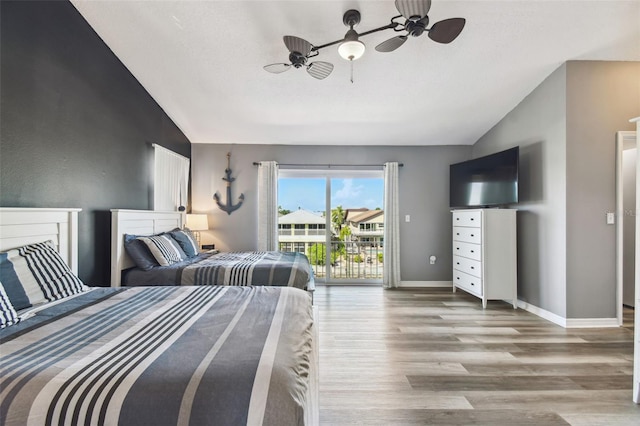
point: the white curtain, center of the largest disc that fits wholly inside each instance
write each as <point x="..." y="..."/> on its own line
<point x="391" y="250"/>
<point x="170" y="179"/>
<point x="268" y="206"/>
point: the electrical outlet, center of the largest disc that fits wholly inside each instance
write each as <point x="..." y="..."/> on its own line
<point x="407" y="218"/>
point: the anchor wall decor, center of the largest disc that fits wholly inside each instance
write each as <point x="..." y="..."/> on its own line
<point x="229" y="207"/>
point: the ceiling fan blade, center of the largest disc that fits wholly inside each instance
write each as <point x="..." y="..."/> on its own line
<point x="277" y="68"/>
<point x="446" y="31"/>
<point x="411" y="8"/>
<point x="391" y="44"/>
<point x="297" y="44"/>
<point x="319" y="69"/>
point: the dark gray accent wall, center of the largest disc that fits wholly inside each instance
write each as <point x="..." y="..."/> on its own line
<point x="75" y="125"/>
<point x="424" y="194"/>
<point x="566" y="130"/>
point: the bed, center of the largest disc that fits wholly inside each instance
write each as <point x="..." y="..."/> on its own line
<point x="236" y="268"/>
<point x="154" y="355"/>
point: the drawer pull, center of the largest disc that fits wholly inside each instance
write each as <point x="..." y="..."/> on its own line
<point x="457" y="263"/>
<point x="473" y="267"/>
<point x="473" y="251"/>
<point x="457" y="248"/>
<point x="472" y="283"/>
<point x="471" y="218"/>
<point x="472" y="235"/>
<point x="457" y="233"/>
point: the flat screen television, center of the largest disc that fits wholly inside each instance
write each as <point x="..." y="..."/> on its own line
<point x="489" y="181"/>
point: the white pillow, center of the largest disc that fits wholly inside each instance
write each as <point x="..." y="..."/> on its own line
<point x="8" y="315"/>
<point x="164" y="248"/>
<point x="36" y="273"/>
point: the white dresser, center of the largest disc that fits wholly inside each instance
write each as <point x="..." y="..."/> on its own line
<point x="484" y="254"/>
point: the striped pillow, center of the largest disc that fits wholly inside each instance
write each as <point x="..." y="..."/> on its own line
<point x="164" y="248"/>
<point x="186" y="241"/>
<point x="8" y="314"/>
<point x="36" y="274"/>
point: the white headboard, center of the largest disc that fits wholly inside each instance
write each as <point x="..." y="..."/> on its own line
<point x="136" y="222"/>
<point x="20" y="226"/>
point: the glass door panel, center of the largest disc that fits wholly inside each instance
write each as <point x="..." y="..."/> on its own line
<point x="357" y="222"/>
<point x="302" y="219"/>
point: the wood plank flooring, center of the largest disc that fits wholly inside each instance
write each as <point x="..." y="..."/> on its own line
<point x="429" y="356"/>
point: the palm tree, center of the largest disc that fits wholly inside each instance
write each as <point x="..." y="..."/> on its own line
<point x="282" y="212"/>
<point x="337" y="218"/>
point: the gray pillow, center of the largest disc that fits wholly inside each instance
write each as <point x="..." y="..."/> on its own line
<point x="139" y="252"/>
<point x="186" y="241"/>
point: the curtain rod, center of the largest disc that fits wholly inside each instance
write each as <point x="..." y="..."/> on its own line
<point x="257" y="163"/>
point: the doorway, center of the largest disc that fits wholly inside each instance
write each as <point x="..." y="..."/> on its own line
<point x="626" y="160"/>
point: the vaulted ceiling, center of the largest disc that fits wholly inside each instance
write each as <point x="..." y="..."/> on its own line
<point x="202" y="61"/>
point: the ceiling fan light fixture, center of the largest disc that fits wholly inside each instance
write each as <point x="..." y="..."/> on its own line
<point x="351" y="48"/>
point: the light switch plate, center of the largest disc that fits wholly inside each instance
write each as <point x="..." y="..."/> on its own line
<point x="611" y="218"/>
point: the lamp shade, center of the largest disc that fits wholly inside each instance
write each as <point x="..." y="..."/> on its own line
<point x="197" y="222"/>
<point x="351" y="48"/>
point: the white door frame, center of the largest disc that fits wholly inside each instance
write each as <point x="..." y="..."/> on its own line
<point x="629" y="139"/>
<point x="636" y="337"/>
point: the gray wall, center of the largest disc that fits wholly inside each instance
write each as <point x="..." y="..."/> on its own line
<point x="601" y="98"/>
<point x="75" y="125"/>
<point x="538" y="125"/>
<point x="566" y="130"/>
<point x="424" y="194"/>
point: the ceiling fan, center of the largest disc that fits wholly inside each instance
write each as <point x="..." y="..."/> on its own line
<point x="416" y="20"/>
<point x="299" y="53"/>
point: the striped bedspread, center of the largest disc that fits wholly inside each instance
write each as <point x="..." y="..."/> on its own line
<point x="250" y="268"/>
<point x="161" y="356"/>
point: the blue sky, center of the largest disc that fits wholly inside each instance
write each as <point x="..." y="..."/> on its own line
<point x="309" y="193"/>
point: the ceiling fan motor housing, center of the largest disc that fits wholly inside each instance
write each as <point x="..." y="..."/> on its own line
<point x="417" y="27"/>
<point x="297" y="59"/>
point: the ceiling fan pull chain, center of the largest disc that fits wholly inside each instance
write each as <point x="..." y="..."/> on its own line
<point x="351" y="61"/>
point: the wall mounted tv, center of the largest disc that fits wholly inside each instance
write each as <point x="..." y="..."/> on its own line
<point x="490" y="181"/>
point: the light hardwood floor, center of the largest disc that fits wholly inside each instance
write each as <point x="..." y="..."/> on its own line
<point x="429" y="356"/>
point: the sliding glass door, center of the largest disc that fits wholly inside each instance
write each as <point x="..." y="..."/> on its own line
<point x="336" y="219"/>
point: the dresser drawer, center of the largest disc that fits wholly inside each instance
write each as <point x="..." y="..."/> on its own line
<point x="470" y="266"/>
<point x="468" y="235"/>
<point x="462" y="218"/>
<point x="470" y="250"/>
<point x="467" y="282"/>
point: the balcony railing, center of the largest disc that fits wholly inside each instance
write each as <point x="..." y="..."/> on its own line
<point x="289" y="232"/>
<point x="349" y="260"/>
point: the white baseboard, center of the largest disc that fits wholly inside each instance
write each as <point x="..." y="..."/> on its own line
<point x="425" y="284"/>
<point x="568" y="322"/>
<point x="592" y="322"/>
